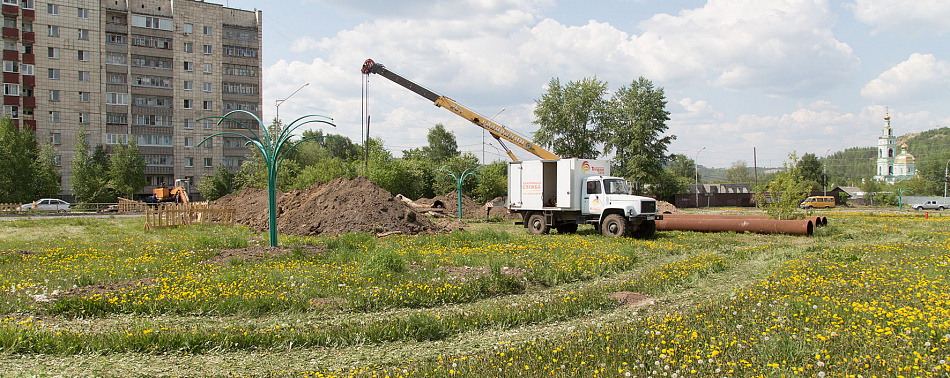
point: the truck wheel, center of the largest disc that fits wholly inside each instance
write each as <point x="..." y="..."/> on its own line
<point x="536" y="225"/>
<point x="918" y="208"/>
<point x="614" y="226"/>
<point x="567" y="228"/>
<point x="940" y="208"/>
<point x="646" y="230"/>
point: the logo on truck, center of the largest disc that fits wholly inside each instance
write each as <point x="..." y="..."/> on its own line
<point x="531" y="187"/>
<point x="586" y="167"/>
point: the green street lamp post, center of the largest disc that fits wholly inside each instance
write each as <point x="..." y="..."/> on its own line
<point x="459" y="179"/>
<point x="270" y="146"/>
<point x="900" y="197"/>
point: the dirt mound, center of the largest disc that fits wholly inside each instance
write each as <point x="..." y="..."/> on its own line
<point x="664" y="207"/>
<point x="470" y="208"/>
<point x="631" y="299"/>
<point x="337" y="207"/>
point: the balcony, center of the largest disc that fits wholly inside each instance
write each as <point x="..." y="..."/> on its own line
<point x="11" y="33"/>
<point x="29" y="37"/>
<point x="29" y="14"/>
<point x="11" y="10"/>
<point x="29" y="102"/>
<point x="12" y="78"/>
<point x="30" y="124"/>
<point x="11" y="55"/>
<point x="29" y="59"/>
<point x="29" y="81"/>
<point x="11" y="100"/>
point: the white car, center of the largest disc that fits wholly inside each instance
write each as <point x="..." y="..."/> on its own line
<point x="46" y="204"/>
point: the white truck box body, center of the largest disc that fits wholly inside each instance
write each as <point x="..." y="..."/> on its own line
<point x="533" y="184"/>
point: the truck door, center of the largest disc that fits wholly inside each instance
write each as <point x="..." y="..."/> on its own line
<point x="594" y="197"/>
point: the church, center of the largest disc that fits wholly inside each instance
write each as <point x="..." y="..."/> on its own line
<point x="891" y="168"/>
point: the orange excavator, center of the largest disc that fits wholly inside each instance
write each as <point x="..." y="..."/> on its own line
<point x="178" y="194"/>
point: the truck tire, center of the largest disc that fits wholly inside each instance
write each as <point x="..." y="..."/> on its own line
<point x="536" y="225"/>
<point x="614" y="225"/>
<point x="918" y="208"/>
<point x="566" y="228"/>
<point x="940" y="208"/>
<point x="646" y="230"/>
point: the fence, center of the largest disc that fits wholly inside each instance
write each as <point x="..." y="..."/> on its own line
<point x="174" y="215"/>
<point x="8" y="207"/>
<point x="130" y="206"/>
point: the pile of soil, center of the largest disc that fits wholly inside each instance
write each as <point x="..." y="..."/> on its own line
<point x="470" y="208"/>
<point x="340" y="206"/>
<point x="664" y="207"/>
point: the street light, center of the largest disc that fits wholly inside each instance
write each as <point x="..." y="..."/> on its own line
<point x="696" y="165"/>
<point x="279" y="101"/>
<point x="825" y="174"/>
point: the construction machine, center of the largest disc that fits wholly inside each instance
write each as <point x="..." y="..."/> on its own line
<point x="178" y="194"/>
<point x="554" y="193"/>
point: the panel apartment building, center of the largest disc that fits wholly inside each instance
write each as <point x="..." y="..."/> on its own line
<point x="142" y="69"/>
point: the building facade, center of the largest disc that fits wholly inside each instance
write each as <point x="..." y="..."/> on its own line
<point x="893" y="167"/>
<point x="143" y="70"/>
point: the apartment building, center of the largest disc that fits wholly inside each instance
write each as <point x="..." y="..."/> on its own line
<point x="146" y="70"/>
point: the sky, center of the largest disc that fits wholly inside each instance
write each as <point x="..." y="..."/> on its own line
<point x="774" y="77"/>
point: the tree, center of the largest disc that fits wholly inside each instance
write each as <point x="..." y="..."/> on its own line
<point x="253" y="173"/>
<point x="633" y="127"/>
<point x="324" y="170"/>
<point x="442" y="145"/>
<point x="739" y="173"/>
<point x="871" y="187"/>
<point x="28" y="172"/>
<point x="780" y="196"/>
<point x="811" y="171"/>
<point x="218" y="185"/>
<point x="127" y="171"/>
<point x="458" y="164"/>
<point x="570" y="116"/>
<point x="682" y="166"/>
<point x="90" y="180"/>
<point x="667" y="185"/>
<point x="493" y="183"/>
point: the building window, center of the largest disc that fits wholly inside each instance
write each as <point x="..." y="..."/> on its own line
<point x="116" y="59"/>
<point x="207" y="87"/>
<point x="82" y="13"/>
<point x="206" y="105"/>
<point x="189" y="104"/>
<point x="209" y="124"/>
<point x="11" y="89"/>
<point x="189" y="161"/>
<point x="114" y="98"/>
<point x="242" y="52"/>
<point x="189" y="47"/>
<point x="11" y="110"/>
<point x="188" y="123"/>
<point x="206" y="49"/>
<point x="116" y="39"/>
<point x="52" y="52"/>
<point x="53" y="30"/>
<point x="27" y="26"/>
<point x="83" y="75"/>
<point x="27" y="69"/>
<point x="189" y="66"/>
<point x="52" y="9"/>
<point x="11" y="66"/>
<point x="189" y="141"/>
<point x="208" y="162"/>
<point x="207" y="68"/>
<point x="55" y="138"/>
<point x="53" y="73"/>
<point x="117" y="118"/>
<point x="207" y="30"/>
<point x="54" y="95"/>
<point x="54" y="116"/>
<point x="27" y="4"/>
<point x="189" y="85"/>
<point x="189" y="28"/>
<point x="116" y="78"/>
<point x="83" y="34"/>
<point x="84" y="96"/>
<point x="83" y="117"/>
<point x="117" y="138"/>
<point x="83" y="56"/>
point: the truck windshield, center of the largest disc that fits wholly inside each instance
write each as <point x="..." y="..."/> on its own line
<point x="615" y="186"/>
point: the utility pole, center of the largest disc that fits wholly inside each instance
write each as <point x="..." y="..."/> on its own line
<point x="825" y="173"/>
<point x="280" y="101"/>
<point x="696" y="165"/>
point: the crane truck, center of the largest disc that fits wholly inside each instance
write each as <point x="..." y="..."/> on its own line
<point x="553" y="193"/>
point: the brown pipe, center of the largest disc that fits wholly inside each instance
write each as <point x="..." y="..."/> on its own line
<point x="817" y="221"/>
<point x="759" y="226"/>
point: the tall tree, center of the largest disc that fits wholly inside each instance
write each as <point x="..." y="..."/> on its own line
<point x="570" y="117"/>
<point x="218" y="185"/>
<point x="127" y="171"/>
<point x="682" y="166"/>
<point x="739" y="173"/>
<point x="634" y="129"/>
<point x="28" y="172"/>
<point x="811" y="171"/>
<point x="90" y="179"/>
<point x="442" y="144"/>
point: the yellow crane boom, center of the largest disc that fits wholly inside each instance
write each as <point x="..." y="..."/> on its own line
<point x="496" y="130"/>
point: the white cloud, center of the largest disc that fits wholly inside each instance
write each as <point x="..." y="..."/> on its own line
<point x="478" y="10"/>
<point x="919" y="77"/>
<point x="911" y="17"/>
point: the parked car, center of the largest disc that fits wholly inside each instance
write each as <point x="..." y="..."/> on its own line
<point x="930" y="205"/>
<point x="46" y="204"/>
<point x="818" y="202"/>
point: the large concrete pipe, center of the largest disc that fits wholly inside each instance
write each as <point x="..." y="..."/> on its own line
<point x="817" y="221"/>
<point x="759" y="226"/>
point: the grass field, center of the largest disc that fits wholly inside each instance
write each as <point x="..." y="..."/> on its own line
<point x="866" y="296"/>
